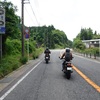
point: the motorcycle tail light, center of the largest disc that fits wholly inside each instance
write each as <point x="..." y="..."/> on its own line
<point x="69" y="64"/>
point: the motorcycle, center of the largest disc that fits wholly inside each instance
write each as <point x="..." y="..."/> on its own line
<point x="67" y="69"/>
<point x="47" y="58"/>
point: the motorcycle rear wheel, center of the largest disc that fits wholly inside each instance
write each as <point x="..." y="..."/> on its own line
<point x="68" y="75"/>
<point x="46" y="61"/>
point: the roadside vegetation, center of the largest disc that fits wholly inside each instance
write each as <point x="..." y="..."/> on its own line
<point x="78" y="45"/>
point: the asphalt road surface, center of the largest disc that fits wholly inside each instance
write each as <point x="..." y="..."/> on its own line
<point x="47" y="82"/>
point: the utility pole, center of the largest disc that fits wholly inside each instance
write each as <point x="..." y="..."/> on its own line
<point x="0" y="46"/>
<point x="22" y="28"/>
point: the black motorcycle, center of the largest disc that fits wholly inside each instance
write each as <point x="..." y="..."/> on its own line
<point x="67" y="68"/>
<point x="47" y="58"/>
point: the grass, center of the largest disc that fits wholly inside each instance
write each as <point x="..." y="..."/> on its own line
<point x="10" y="63"/>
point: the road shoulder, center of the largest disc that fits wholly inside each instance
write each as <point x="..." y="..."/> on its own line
<point x="19" y="72"/>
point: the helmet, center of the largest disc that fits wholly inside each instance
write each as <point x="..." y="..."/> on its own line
<point x="47" y="48"/>
<point x="67" y="50"/>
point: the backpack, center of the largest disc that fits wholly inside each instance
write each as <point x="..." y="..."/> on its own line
<point x="67" y="56"/>
<point x="47" y="51"/>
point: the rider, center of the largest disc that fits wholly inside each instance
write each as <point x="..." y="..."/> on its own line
<point x="63" y="55"/>
<point x="47" y="52"/>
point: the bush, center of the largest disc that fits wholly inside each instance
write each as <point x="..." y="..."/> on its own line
<point x="24" y="59"/>
<point x="31" y="46"/>
<point x="90" y="51"/>
<point x="13" y="46"/>
<point x="8" y="64"/>
<point x="37" y="52"/>
<point x="59" y="46"/>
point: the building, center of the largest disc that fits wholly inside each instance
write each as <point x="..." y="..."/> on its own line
<point x="91" y="43"/>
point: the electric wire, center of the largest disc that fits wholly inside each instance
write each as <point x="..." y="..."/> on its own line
<point x="34" y="13"/>
<point x="29" y="15"/>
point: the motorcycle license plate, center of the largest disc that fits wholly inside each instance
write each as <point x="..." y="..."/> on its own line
<point x="69" y="68"/>
<point x="46" y="57"/>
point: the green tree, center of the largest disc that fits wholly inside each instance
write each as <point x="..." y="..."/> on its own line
<point x="49" y="36"/>
<point x="77" y="43"/>
<point x="59" y="37"/>
<point x="12" y="21"/>
<point x="96" y="36"/>
<point x="85" y="34"/>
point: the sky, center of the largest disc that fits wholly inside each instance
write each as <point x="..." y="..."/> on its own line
<point x="66" y="15"/>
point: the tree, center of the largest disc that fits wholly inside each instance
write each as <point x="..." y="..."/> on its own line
<point x="59" y="37"/>
<point x="12" y="22"/>
<point x="49" y="36"/>
<point x="77" y="43"/>
<point x="85" y="34"/>
<point x="96" y="36"/>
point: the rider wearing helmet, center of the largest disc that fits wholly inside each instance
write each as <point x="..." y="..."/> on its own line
<point x="67" y="50"/>
<point x="67" y="55"/>
<point x="47" y="52"/>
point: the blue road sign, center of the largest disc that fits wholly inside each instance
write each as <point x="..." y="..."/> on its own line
<point x="2" y="29"/>
<point x="2" y="21"/>
<point x="27" y="33"/>
<point x="27" y="36"/>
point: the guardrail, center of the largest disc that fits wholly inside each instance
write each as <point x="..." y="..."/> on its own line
<point x="88" y="55"/>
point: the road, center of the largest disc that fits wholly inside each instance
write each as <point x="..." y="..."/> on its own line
<point x="47" y="81"/>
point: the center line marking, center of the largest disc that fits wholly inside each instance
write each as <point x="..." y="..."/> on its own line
<point x="87" y="79"/>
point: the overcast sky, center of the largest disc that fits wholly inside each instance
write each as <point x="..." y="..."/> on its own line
<point x="66" y="15"/>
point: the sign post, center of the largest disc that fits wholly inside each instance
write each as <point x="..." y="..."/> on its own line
<point x="2" y="28"/>
<point x="27" y="39"/>
<point x="0" y="46"/>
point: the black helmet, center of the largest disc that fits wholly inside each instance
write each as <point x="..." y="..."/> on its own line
<point x="67" y="50"/>
<point x="47" y="48"/>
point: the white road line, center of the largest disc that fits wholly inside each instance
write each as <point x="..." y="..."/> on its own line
<point x="14" y="86"/>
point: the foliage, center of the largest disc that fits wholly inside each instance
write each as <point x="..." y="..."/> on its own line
<point x="12" y="22"/>
<point x="96" y="36"/>
<point x="58" y="46"/>
<point x="49" y="37"/>
<point x="37" y="52"/>
<point x="24" y="59"/>
<point x="94" y="50"/>
<point x="31" y="44"/>
<point x="8" y="64"/>
<point x="89" y="51"/>
<point x="77" y="43"/>
<point x="85" y="34"/>
<point x="58" y="38"/>
<point x="12" y="46"/>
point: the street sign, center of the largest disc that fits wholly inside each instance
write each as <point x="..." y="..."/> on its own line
<point x="27" y="33"/>
<point x="2" y="21"/>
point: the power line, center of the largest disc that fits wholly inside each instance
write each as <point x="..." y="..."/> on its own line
<point x="34" y="14"/>
<point x="29" y="15"/>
